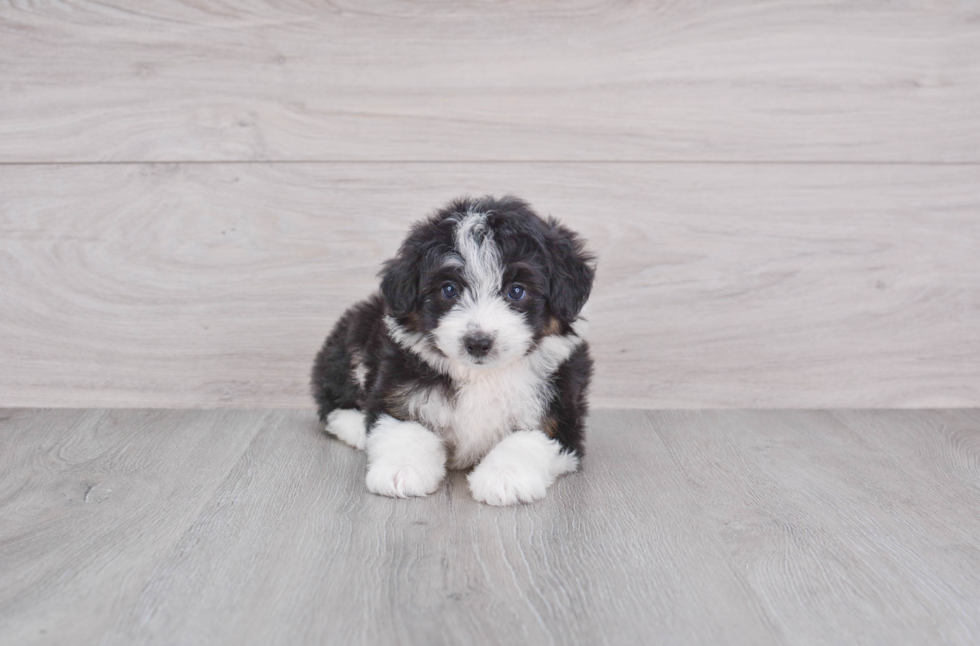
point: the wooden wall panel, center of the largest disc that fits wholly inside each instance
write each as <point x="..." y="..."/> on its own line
<point x="748" y="285"/>
<point x="512" y="80"/>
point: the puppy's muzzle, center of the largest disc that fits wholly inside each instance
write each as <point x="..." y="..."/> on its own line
<point x="478" y="344"/>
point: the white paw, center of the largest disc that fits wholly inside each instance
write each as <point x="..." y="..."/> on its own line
<point x="347" y="424"/>
<point x="401" y="481"/>
<point x="520" y="469"/>
<point x="507" y="484"/>
<point x="404" y="459"/>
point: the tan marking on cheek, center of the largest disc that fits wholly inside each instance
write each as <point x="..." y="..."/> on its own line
<point x="412" y="322"/>
<point x="553" y="327"/>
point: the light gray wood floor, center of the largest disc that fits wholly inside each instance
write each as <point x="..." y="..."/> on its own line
<point x="252" y="527"/>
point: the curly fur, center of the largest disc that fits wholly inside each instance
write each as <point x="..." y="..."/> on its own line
<point x="473" y="342"/>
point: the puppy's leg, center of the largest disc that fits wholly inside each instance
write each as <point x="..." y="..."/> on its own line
<point x="348" y="424"/>
<point x="332" y="380"/>
<point x="404" y="459"/>
<point x="340" y="375"/>
<point x="520" y="469"/>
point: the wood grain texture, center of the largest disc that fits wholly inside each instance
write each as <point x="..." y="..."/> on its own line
<point x="820" y="516"/>
<point x="291" y="539"/>
<point x="401" y="80"/>
<point x="91" y="500"/>
<point x="718" y="285"/>
<point x="685" y="527"/>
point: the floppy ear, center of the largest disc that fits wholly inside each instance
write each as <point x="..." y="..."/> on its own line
<point x="572" y="272"/>
<point x="400" y="280"/>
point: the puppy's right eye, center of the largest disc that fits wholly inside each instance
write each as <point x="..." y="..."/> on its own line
<point x="449" y="291"/>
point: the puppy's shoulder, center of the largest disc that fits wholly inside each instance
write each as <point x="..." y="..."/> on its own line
<point x="362" y="320"/>
<point x="577" y="368"/>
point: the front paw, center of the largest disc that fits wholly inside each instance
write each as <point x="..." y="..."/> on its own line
<point x="520" y="469"/>
<point x="404" y="459"/>
<point x="401" y="480"/>
<point x="507" y="484"/>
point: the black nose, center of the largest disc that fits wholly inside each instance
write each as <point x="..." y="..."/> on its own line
<point x="478" y="344"/>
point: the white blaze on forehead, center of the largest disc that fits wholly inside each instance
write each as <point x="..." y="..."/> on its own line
<point x="481" y="258"/>
<point x="481" y="307"/>
<point x="453" y="260"/>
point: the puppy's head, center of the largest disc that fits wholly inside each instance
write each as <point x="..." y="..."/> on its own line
<point x="483" y="280"/>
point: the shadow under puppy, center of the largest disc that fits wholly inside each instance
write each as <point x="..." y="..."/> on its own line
<point x="472" y="354"/>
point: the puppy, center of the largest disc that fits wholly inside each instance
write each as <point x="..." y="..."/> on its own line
<point x="471" y="355"/>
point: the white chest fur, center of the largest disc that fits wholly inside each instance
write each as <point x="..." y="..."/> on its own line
<point x="490" y="404"/>
<point x="484" y="410"/>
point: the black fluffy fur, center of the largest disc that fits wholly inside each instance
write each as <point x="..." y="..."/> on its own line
<point x="547" y="258"/>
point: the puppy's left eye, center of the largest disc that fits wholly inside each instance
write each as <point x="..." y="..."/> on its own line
<point x="516" y="292"/>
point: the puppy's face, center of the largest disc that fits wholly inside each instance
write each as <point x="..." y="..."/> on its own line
<point x="482" y="281"/>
